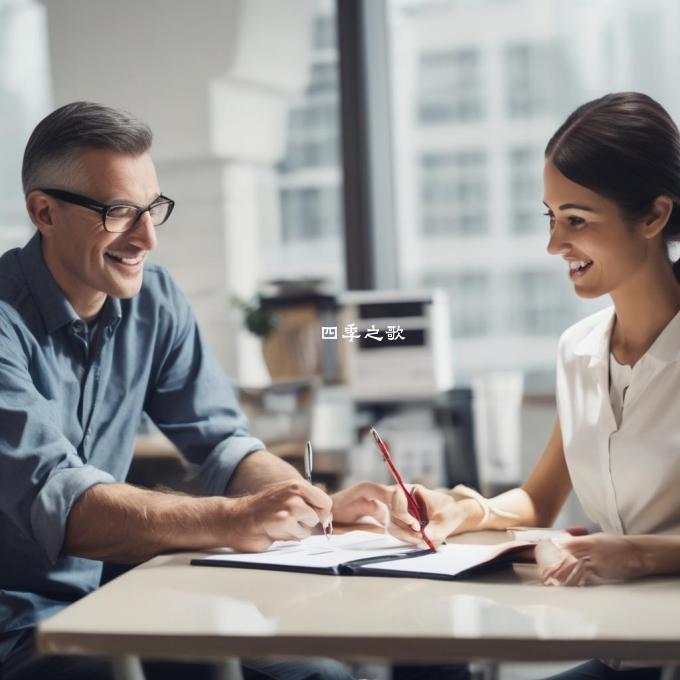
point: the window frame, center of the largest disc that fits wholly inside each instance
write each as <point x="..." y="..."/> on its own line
<point x="370" y="231"/>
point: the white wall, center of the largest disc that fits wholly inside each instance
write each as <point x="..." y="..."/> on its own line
<point x="213" y="78"/>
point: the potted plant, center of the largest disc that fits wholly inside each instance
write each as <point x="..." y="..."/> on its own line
<point x="258" y="318"/>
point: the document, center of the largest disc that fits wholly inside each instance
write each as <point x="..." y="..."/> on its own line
<point x="368" y="554"/>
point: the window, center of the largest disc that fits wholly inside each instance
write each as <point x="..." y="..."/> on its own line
<point x="468" y="294"/>
<point x="539" y="306"/>
<point x="307" y="238"/>
<point x="477" y="89"/>
<point x="531" y="79"/>
<point x="525" y="173"/>
<point x="324" y="80"/>
<point x="310" y="214"/>
<point x="24" y="99"/>
<point x="453" y="194"/>
<point x="450" y="86"/>
<point x="324" y="31"/>
<point x="313" y="136"/>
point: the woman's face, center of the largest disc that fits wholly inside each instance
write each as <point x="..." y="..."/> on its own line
<point x="602" y="252"/>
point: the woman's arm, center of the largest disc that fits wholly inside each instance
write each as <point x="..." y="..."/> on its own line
<point x="605" y="557"/>
<point x="660" y="554"/>
<point x="548" y="486"/>
<point x="535" y="503"/>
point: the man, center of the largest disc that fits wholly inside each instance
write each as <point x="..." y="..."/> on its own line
<point x="90" y="338"/>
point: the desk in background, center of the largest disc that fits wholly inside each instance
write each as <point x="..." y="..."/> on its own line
<point x="156" y="461"/>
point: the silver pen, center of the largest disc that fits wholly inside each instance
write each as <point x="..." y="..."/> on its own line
<point x="328" y="529"/>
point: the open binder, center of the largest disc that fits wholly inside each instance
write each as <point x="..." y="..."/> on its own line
<point x="361" y="553"/>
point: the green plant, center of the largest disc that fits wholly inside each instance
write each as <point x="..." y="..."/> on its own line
<point x="257" y="317"/>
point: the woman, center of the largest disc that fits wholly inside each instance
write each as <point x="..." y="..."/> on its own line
<point x="612" y="192"/>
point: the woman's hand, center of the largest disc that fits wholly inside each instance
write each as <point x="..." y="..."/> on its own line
<point x="389" y="507"/>
<point x="445" y="516"/>
<point x="589" y="560"/>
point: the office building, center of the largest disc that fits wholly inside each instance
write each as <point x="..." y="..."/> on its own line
<point x="478" y="89"/>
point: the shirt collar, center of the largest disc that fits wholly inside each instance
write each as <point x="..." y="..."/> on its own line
<point x="111" y="312"/>
<point x="55" y="309"/>
<point x="666" y="347"/>
<point x="596" y="344"/>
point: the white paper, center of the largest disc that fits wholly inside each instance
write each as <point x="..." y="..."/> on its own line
<point x="318" y="551"/>
<point x="449" y="560"/>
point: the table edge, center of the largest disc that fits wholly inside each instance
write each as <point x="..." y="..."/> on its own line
<point x="343" y="647"/>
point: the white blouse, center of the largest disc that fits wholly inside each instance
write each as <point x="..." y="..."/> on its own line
<point x="619" y="381"/>
<point x="626" y="474"/>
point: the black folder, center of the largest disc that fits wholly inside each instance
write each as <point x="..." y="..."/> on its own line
<point x="452" y="561"/>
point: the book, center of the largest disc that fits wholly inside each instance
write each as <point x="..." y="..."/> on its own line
<point x="367" y="554"/>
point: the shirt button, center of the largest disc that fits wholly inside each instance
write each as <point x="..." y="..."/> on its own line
<point x="78" y="326"/>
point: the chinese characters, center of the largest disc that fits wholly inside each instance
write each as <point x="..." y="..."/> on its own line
<point x="351" y="332"/>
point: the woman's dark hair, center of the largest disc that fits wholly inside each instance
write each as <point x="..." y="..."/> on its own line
<point x="625" y="147"/>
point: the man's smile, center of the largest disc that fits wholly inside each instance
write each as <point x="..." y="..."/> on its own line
<point x="125" y="258"/>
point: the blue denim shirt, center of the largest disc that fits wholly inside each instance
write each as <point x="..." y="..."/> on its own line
<point x="70" y="405"/>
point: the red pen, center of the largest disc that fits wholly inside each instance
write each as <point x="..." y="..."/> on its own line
<point x="414" y="509"/>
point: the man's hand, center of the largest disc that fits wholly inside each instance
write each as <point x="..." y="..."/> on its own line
<point x="283" y="511"/>
<point x="120" y="523"/>
<point x="387" y="504"/>
<point x="588" y="560"/>
<point x="365" y="499"/>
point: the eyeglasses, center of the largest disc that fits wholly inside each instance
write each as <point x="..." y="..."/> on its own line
<point x="120" y="217"/>
<point x="414" y="508"/>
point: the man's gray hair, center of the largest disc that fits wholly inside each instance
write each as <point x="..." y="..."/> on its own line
<point x="52" y="154"/>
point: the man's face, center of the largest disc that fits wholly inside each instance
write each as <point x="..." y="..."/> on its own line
<point x="87" y="261"/>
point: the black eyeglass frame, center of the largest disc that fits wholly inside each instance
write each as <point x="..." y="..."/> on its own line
<point x="103" y="208"/>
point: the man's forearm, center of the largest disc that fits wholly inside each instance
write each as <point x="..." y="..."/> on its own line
<point x="258" y="469"/>
<point x="119" y="522"/>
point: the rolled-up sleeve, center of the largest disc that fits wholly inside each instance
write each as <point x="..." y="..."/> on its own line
<point x="41" y="474"/>
<point x="194" y="403"/>
<point x="52" y="505"/>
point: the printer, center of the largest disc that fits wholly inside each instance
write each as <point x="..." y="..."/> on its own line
<point x="396" y="344"/>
